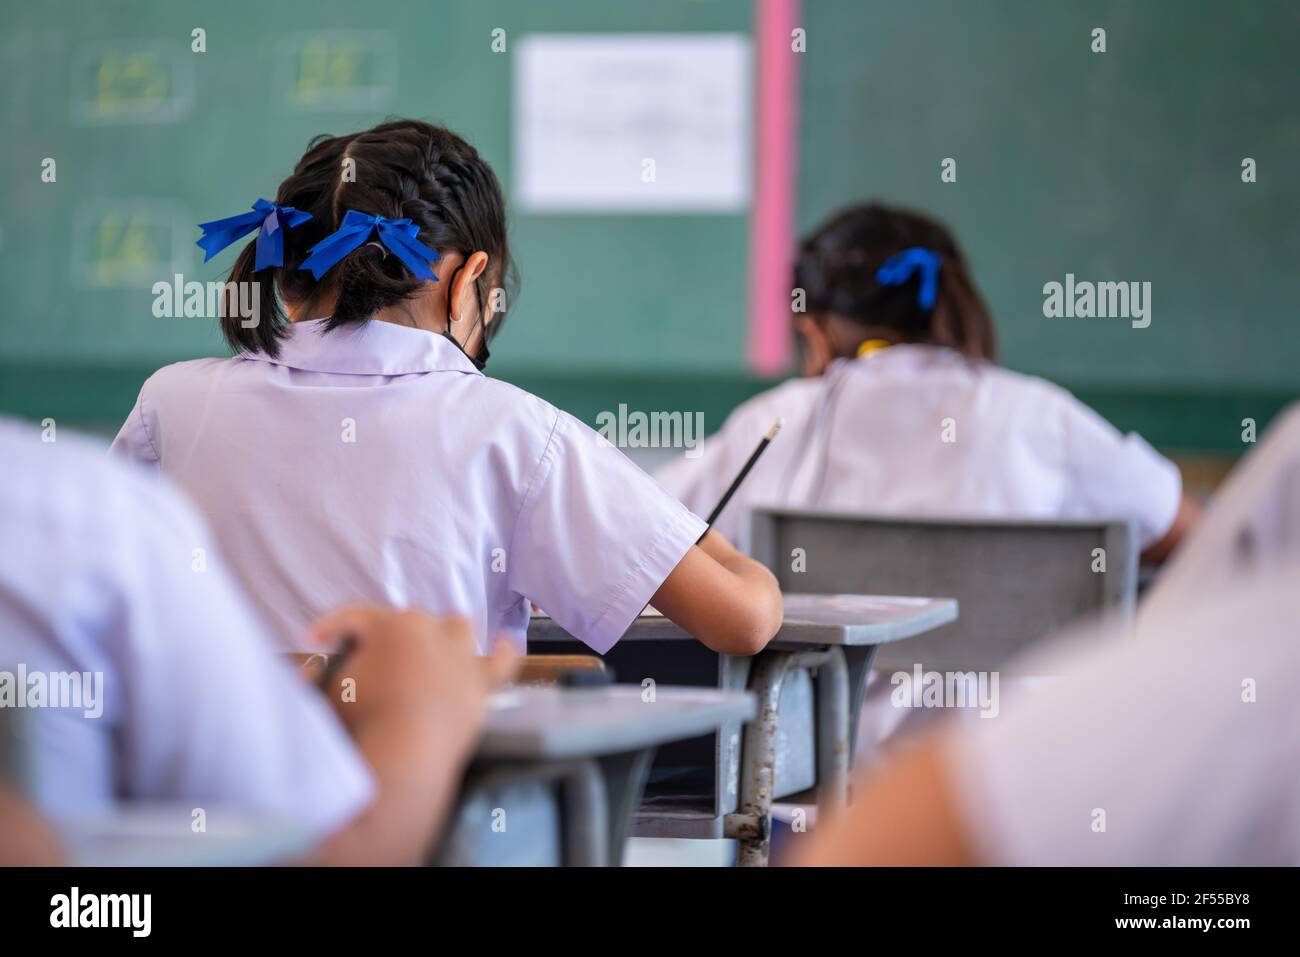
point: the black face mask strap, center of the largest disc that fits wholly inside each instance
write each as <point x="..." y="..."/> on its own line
<point x="480" y="362"/>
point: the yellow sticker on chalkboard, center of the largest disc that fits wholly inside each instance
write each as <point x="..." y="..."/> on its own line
<point x="126" y="244"/>
<point x="142" y="82"/>
<point x="336" y="70"/>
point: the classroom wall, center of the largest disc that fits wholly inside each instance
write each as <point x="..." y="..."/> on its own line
<point x="1121" y="165"/>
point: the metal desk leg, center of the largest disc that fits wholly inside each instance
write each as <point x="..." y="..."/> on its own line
<point x="625" y="777"/>
<point x="858" y="658"/>
<point x="751" y="825"/>
<point x="834" y="733"/>
<point x="585" y="811"/>
<point x="586" y="817"/>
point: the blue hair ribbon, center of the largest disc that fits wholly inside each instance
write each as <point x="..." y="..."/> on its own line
<point x="899" y="269"/>
<point x="270" y="218"/>
<point x="397" y="235"/>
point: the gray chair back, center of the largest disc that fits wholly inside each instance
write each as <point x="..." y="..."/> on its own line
<point x="1015" y="580"/>
<point x="15" y="751"/>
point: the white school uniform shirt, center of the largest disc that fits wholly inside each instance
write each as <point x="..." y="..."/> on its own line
<point x="1175" y="745"/>
<point x="98" y="575"/>
<point x="915" y="430"/>
<point x="375" y="463"/>
<point x="1253" y="522"/>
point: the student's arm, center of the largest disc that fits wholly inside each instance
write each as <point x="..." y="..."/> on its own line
<point x="1188" y="517"/>
<point x="731" y="603"/>
<point x="596" y="539"/>
<point x="1110" y="474"/>
<point x="904" y="817"/>
<point x="24" y="839"/>
<point x="415" y="715"/>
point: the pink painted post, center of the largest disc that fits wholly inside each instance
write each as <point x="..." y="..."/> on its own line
<point x="771" y="224"/>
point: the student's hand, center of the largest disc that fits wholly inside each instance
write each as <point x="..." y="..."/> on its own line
<point x="412" y="694"/>
<point x="410" y="661"/>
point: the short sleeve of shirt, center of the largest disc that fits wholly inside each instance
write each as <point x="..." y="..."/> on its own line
<point x="595" y="536"/>
<point x="1112" y="475"/>
<point x="134" y="442"/>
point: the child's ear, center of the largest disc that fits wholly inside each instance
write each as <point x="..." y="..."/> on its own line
<point x="463" y="292"/>
<point x="817" y="351"/>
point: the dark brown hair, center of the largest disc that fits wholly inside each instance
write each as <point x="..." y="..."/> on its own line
<point x="836" y="267"/>
<point x="403" y="169"/>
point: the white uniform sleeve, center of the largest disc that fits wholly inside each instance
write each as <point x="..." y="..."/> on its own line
<point x="1112" y="475"/>
<point x="134" y="441"/>
<point x="1178" y="745"/>
<point x="595" y="537"/>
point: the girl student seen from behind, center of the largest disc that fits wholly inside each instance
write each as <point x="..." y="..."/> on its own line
<point x="903" y="410"/>
<point x="353" y="449"/>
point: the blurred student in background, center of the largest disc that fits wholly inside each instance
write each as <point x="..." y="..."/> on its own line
<point x="903" y="411"/>
<point x="194" y="705"/>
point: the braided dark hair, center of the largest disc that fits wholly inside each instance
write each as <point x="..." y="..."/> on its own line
<point x="836" y="268"/>
<point x="403" y="169"/>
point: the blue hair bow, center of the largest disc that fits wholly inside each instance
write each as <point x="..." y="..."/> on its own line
<point x="272" y="219"/>
<point x="899" y="269"/>
<point x="397" y="235"/>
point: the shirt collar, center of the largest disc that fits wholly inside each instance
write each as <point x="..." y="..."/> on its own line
<point x="374" y="347"/>
<point x="908" y="355"/>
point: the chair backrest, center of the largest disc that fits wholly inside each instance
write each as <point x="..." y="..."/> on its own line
<point x="15" y="751"/>
<point x="1015" y="580"/>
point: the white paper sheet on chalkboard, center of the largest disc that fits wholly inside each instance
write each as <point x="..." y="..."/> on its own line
<point x="632" y="122"/>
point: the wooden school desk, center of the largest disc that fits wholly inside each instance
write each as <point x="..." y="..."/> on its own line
<point x="559" y="772"/>
<point x="809" y="684"/>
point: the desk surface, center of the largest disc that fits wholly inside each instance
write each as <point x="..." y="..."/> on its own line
<point x="544" y="723"/>
<point x="154" y="835"/>
<point x="809" y="620"/>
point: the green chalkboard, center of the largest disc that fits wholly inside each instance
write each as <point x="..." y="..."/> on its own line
<point x="1122" y="165"/>
<point x="150" y="138"/>
<point x="1115" y="166"/>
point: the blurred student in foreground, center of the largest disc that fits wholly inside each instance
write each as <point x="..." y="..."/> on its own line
<point x="1175" y="744"/>
<point x="106" y="574"/>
